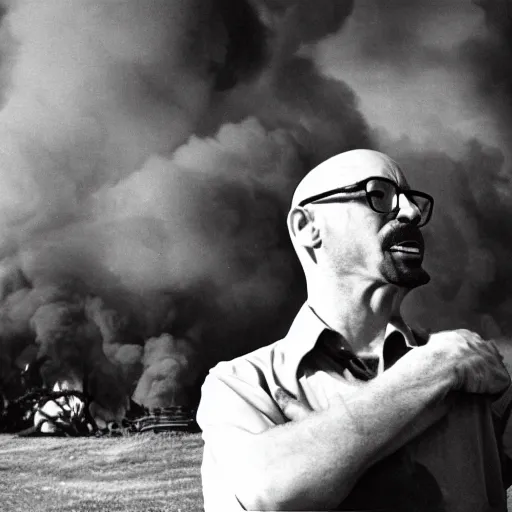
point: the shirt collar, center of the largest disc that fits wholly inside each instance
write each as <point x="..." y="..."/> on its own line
<point x="397" y="324"/>
<point x="304" y="334"/>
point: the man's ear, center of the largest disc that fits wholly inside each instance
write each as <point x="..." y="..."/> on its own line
<point x="303" y="228"/>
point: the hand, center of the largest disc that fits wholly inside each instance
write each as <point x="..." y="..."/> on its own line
<point x="476" y="363"/>
<point x="291" y="407"/>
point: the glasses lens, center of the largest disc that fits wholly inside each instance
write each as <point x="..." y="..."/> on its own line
<point x="382" y="195"/>
<point x="424" y="205"/>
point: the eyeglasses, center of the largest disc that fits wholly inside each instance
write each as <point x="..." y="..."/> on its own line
<point x="382" y="195"/>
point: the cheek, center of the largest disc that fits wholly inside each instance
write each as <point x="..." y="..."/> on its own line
<point x="354" y="236"/>
<point x="363" y="225"/>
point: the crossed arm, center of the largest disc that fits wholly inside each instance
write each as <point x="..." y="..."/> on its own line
<point x="314" y="461"/>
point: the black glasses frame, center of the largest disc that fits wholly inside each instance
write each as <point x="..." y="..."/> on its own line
<point x="362" y="186"/>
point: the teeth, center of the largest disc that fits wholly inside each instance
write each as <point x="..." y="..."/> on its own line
<point x="402" y="248"/>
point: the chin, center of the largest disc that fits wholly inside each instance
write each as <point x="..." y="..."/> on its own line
<point x="409" y="280"/>
<point x="404" y="275"/>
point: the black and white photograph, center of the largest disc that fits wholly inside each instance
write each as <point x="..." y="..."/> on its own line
<point x="255" y="255"/>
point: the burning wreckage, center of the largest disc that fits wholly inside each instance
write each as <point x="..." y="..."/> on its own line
<point x="65" y="411"/>
<point x="71" y="365"/>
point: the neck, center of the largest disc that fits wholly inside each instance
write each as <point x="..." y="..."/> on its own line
<point x="359" y="310"/>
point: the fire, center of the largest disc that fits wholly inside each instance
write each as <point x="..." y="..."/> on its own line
<point x="63" y="413"/>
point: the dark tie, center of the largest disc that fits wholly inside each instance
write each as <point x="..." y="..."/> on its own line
<point x="330" y="342"/>
<point x="394" y="348"/>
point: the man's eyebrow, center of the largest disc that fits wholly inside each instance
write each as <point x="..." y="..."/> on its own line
<point x="333" y="198"/>
<point x="348" y="191"/>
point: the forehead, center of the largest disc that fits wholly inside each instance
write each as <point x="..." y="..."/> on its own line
<point x="347" y="169"/>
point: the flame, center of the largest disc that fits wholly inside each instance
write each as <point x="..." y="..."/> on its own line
<point x="60" y="411"/>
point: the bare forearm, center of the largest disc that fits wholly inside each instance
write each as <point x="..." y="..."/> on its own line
<point x="314" y="463"/>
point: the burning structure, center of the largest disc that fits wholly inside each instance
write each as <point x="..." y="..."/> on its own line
<point x="149" y="149"/>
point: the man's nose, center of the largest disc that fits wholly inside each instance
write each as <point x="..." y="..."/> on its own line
<point x="408" y="211"/>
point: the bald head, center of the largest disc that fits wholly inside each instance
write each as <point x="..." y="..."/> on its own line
<point x="345" y="169"/>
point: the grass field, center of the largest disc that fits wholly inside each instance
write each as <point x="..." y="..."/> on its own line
<point x="148" y="472"/>
<point x="140" y="473"/>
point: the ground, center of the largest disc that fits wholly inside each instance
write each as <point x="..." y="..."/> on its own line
<point x="137" y="473"/>
<point x="147" y="472"/>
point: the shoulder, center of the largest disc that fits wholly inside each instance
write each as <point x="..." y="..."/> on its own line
<point x="251" y="368"/>
<point x="278" y="361"/>
<point x="238" y="393"/>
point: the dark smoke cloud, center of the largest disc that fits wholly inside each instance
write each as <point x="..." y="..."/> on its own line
<point x="94" y="89"/>
<point x="409" y="66"/>
<point x="148" y="156"/>
<point x="294" y="23"/>
<point x="149" y="153"/>
<point x="491" y="60"/>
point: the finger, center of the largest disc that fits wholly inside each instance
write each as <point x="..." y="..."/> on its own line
<point x="291" y="407"/>
<point x="489" y="345"/>
<point x="486" y="347"/>
<point x="490" y="379"/>
<point x="495" y="349"/>
<point x="494" y="352"/>
<point x="466" y="333"/>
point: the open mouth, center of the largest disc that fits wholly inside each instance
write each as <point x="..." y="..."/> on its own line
<point x="408" y="247"/>
<point x="403" y="241"/>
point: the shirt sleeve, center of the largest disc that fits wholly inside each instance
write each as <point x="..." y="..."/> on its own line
<point x="502" y="408"/>
<point x="230" y="407"/>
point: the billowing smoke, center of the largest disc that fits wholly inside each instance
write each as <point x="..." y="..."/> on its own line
<point x="147" y="159"/>
<point x="166" y="360"/>
<point x="149" y="151"/>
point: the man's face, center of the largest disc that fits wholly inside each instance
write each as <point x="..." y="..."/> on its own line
<point x="356" y="240"/>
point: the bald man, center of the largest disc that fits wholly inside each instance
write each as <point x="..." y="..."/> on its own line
<point x="352" y="410"/>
